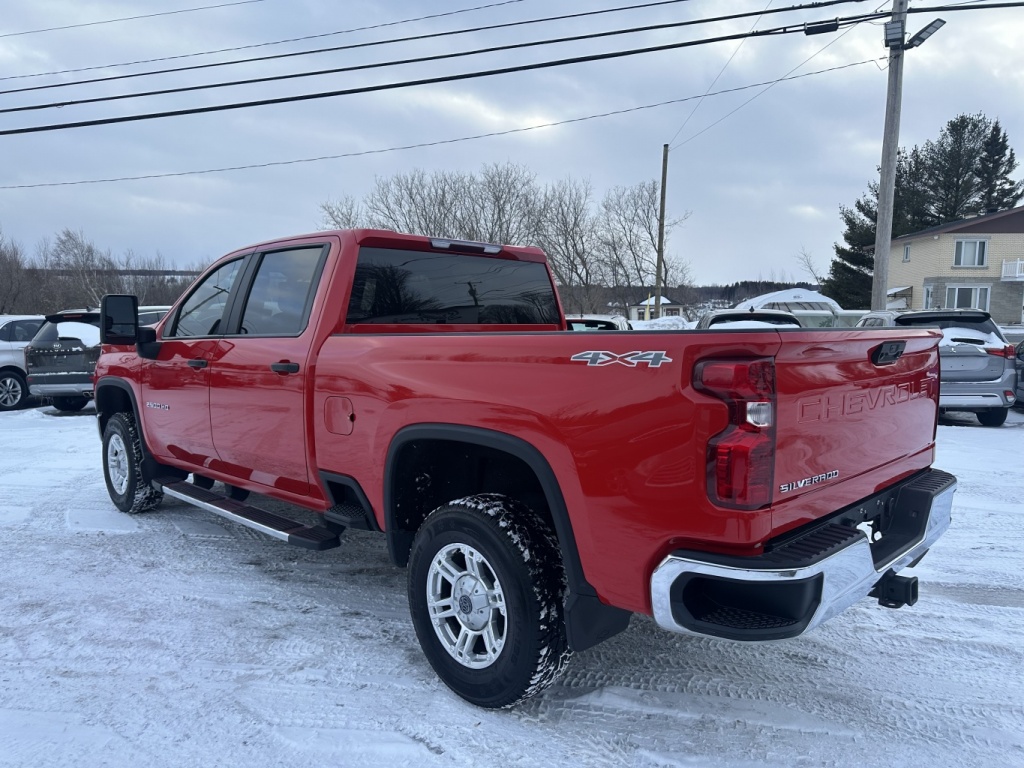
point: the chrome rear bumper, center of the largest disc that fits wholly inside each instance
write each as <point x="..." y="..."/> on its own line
<point x="807" y="581"/>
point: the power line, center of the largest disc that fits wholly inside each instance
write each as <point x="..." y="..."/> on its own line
<point x="789" y="29"/>
<point x="130" y="18"/>
<point x="440" y="142"/>
<point x="415" y="60"/>
<point x="933" y="9"/>
<point x="430" y="36"/>
<point x="275" y="42"/>
<point x="719" y="75"/>
<point x="768" y="88"/>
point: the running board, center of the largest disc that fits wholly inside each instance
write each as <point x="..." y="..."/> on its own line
<point x="302" y="535"/>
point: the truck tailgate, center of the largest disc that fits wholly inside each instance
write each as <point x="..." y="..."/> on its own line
<point x="850" y="403"/>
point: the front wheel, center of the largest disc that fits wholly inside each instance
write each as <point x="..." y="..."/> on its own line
<point x="486" y="590"/>
<point x="13" y="390"/>
<point x="994" y="417"/>
<point x="122" y="466"/>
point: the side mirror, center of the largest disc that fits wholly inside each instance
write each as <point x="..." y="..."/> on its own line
<point x="120" y="319"/>
<point x="1020" y="351"/>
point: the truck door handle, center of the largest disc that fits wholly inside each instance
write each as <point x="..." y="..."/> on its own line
<point x="284" y="367"/>
<point x="197" y="363"/>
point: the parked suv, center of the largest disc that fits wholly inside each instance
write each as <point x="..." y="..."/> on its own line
<point x="62" y="357"/>
<point x="737" y="319"/>
<point x="978" y="365"/>
<point x="16" y="331"/>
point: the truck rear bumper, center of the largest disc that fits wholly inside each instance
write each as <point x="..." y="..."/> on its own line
<point x="805" y="580"/>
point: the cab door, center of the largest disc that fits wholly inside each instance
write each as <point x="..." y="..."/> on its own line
<point x="259" y="374"/>
<point x="175" y="411"/>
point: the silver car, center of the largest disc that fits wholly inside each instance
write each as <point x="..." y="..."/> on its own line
<point x="16" y="331"/>
<point x="978" y="367"/>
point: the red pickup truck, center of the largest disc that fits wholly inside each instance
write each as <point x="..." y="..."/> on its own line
<point x="540" y="484"/>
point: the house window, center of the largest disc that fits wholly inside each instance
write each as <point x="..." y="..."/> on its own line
<point x="970" y="253"/>
<point x="967" y="297"/>
<point x="927" y="298"/>
<point x="906" y="253"/>
<point x="671" y="312"/>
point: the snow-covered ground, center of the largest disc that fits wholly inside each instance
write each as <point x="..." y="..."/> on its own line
<point x="178" y="639"/>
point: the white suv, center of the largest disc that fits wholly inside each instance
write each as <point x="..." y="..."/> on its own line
<point x="16" y="331"/>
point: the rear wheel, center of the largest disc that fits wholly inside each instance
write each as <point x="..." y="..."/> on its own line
<point x="486" y="590"/>
<point x="122" y="466"/>
<point x="994" y="417"/>
<point x="13" y="390"/>
<point x="70" y="404"/>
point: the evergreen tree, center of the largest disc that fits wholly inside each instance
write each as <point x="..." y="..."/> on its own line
<point x="996" y="190"/>
<point x="949" y="168"/>
<point x="850" y="273"/>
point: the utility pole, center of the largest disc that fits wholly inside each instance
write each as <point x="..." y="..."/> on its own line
<point x="661" y="230"/>
<point x="895" y="31"/>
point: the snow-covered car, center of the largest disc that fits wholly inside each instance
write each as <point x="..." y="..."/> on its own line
<point x="978" y="366"/>
<point x="61" y="358"/>
<point x="738" y="319"/>
<point x="16" y="331"/>
<point x="597" y="323"/>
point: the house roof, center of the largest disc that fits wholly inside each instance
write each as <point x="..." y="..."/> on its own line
<point x="664" y="300"/>
<point x="1003" y="222"/>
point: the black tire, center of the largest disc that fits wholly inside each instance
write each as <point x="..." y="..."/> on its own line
<point x="201" y="481"/>
<point x="70" y="404"/>
<point x="235" y="493"/>
<point x="122" y="466"/>
<point x="994" y="417"/>
<point x="508" y="655"/>
<point x="13" y="390"/>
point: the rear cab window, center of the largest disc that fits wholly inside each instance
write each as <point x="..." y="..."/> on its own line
<point x="424" y="288"/>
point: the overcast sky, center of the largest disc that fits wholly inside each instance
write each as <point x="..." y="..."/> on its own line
<point x="759" y="186"/>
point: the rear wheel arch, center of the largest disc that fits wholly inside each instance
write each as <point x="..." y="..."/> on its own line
<point x="429" y="465"/>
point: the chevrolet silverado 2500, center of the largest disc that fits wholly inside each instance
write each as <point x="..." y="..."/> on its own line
<point x="540" y="485"/>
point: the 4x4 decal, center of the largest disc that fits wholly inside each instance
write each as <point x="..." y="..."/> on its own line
<point x="631" y="359"/>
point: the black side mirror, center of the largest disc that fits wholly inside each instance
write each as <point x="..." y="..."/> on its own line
<point x="1020" y="351"/>
<point x="119" y="316"/>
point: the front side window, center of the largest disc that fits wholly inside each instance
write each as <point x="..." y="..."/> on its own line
<point x="967" y="297"/>
<point x="282" y="292"/>
<point x="202" y="314"/>
<point x="416" y="287"/>
<point x="970" y="253"/>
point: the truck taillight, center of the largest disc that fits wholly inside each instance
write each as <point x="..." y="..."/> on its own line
<point x="741" y="458"/>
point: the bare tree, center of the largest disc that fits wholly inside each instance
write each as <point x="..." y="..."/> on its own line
<point x="569" y="235"/>
<point x="344" y="214"/>
<point x="806" y="261"/>
<point x="629" y="239"/>
<point x="13" y="279"/>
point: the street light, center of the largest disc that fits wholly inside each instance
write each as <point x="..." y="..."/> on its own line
<point x="925" y="33"/>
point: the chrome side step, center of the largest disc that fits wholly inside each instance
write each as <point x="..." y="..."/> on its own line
<point x="307" y="536"/>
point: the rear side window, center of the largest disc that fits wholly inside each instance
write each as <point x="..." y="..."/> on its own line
<point x="412" y="287"/>
<point x="983" y="325"/>
<point x="282" y="292"/>
<point x="84" y="329"/>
